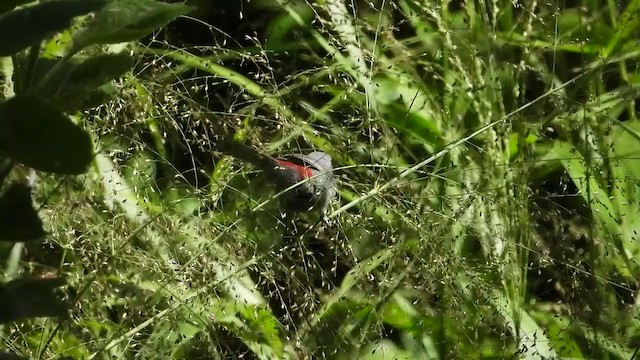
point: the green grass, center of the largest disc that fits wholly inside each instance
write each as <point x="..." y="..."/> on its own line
<point x="487" y="166"/>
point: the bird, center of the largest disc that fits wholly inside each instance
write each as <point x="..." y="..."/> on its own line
<point x="312" y="173"/>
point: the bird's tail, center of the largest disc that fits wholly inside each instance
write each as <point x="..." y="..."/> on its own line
<point x="248" y="154"/>
<point x="264" y="162"/>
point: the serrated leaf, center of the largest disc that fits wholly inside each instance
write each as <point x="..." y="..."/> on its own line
<point x="77" y="86"/>
<point x="38" y="135"/>
<point x="19" y="221"/>
<point x="127" y="20"/>
<point x="29" y="298"/>
<point x="24" y="27"/>
<point x="98" y="70"/>
<point x="84" y="85"/>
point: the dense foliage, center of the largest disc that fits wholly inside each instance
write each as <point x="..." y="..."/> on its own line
<point x="486" y="156"/>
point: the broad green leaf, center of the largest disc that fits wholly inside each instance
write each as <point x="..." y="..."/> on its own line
<point x="400" y="313"/>
<point x="626" y="155"/>
<point x="67" y="344"/>
<point x="279" y="29"/>
<point x="383" y="350"/>
<point x="407" y="107"/>
<point x="514" y="143"/>
<point x="84" y="87"/>
<point x="38" y="135"/>
<point x="126" y="20"/>
<point x="572" y="25"/>
<point x="601" y="204"/>
<point x="532" y="339"/>
<point x="561" y="332"/>
<point x="413" y="123"/>
<point x="8" y="5"/>
<point x="77" y="86"/>
<point x="263" y="325"/>
<point x="57" y="45"/>
<point x="256" y="326"/>
<point x="97" y="70"/>
<point x="625" y="163"/>
<point x="38" y="70"/>
<point x="626" y="30"/>
<point x="87" y="100"/>
<point x="19" y="221"/>
<point x="575" y="166"/>
<point x="29" y="298"/>
<point x="22" y="28"/>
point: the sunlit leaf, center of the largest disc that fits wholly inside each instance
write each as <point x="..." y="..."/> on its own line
<point x="407" y="107"/>
<point x="24" y="27"/>
<point x="77" y="85"/>
<point x="127" y="20"/>
<point x="383" y="350"/>
<point x="626" y="30"/>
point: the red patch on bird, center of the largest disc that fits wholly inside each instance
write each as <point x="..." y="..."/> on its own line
<point x="303" y="171"/>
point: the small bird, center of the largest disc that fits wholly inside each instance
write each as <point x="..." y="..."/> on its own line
<point x="313" y="171"/>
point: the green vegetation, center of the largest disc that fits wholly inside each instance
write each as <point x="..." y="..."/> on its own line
<point x="487" y="158"/>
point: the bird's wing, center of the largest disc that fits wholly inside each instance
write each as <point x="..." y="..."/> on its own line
<point x="319" y="160"/>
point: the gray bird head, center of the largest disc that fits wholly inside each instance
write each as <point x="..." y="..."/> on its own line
<point x="317" y="159"/>
<point x="323" y="182"/>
